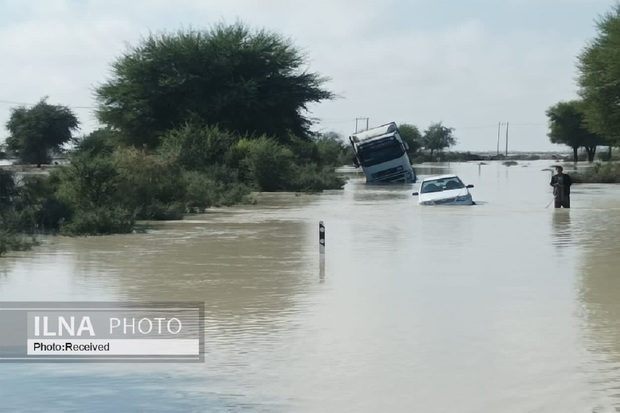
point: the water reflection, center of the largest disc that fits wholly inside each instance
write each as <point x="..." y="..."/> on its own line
<point x="283" y="201"/>
<point x="424" y="170"/>
<point x="373" y="194"/>
<point x="480" y="165"/>
<point x="6" y="266"/>
<point x="247" y="274"/>
<point x="599" y="292"/>
<point x="9" y="260"/>
<point x="561" y="227"/>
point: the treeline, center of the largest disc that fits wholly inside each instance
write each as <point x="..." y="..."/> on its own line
<point x="189" y="120"/>
<point x="424" y="146"/>
<point x="593" y="119"/>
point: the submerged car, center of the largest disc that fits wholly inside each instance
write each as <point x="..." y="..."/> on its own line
<point x="444" y="190"/>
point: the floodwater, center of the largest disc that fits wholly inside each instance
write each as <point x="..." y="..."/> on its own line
<point x="507" y="306"/>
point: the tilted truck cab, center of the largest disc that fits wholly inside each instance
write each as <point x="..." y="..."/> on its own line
<point x="382" y="155"/>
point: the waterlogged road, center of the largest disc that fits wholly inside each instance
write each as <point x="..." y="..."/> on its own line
<point x="507" y="306"/>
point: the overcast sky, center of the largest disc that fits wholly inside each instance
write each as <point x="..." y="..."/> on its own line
<point x="469" y="64"/>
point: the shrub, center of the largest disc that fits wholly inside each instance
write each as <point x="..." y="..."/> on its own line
<point x="331" y="150"/>
<point x="315" y="178"/>
<point x="346" y="156"/>
<point x="88" y="181"/>
<point x="148" y="184"/>
<point x="100" y="220"/>
<point x="204" y="191"/>
<point x="268" y="164"/>
<point x="32" y="206"/>
<point x="196" y="147"/>
<point x="303" y="150"/>
<point x="38" y="206"/>
<point x="608" y="173"/>
<point x="8" y="187"/>
<point x="14" y="242"/>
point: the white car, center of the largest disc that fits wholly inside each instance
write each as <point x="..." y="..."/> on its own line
<point x="444" y="190"/>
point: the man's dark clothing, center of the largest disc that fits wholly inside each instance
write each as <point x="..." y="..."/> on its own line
<point x="561" y="189"/>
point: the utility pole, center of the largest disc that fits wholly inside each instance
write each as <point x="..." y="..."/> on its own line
<point x="499" y="125"/>
<point x="358" y="119"/>
<point x="506" y="139"/>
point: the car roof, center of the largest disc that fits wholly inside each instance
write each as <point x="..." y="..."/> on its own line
<point x="432" y="178"/>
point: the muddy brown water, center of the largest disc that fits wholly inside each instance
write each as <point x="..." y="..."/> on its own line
<point x="507" y="306"/>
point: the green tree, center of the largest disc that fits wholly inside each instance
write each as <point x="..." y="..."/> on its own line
<point x="412" y="136"/>
<point x="244" y="81"/>
<point x="438" y="137"/>
<point x="102" y="141"/>
<point x="36" y="131"/>
<point x="567" y="126"/>
<point x="599" y="67"/>
<point x="331" y="148"/>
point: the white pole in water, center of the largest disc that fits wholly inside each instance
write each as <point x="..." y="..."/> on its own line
<point x="321" y="237"/>
<point x="322" y="268"/>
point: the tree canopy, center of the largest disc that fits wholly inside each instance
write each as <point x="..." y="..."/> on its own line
<point x="243" y="81"/>
<point x="36" y="131"/>
<point x="567" y="126"/>
<point x="412" y="136"/>
<point x="599" y="78"/>
<point x="438" y="137"/>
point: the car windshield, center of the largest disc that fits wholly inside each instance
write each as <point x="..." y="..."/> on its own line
<point x="444" y="184"/>
<point x="379" y="152"/>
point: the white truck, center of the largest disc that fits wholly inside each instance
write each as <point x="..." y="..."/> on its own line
<point x="382" y="154"/>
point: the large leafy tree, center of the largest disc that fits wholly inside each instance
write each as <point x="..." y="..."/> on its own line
<point x="36" y="131"/>
<point x="438" y="137"/>
<point x="412" y="136"/>
<point x="599" y="78"/>
<point x="567" y="126"/>
<point x="244" y="81"/>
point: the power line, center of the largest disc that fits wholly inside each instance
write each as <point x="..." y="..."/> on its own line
<point x="489" y="126"/>
<point x="325" y="120"/>
<point x="361" y="119"/>
<point x="336" y="121"/>
<point x="11" y="102"/>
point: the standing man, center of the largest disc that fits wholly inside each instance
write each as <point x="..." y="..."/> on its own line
<point x="561" y="183"/>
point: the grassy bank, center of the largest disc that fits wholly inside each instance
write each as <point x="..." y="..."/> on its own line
<point x="606" y="173"/>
